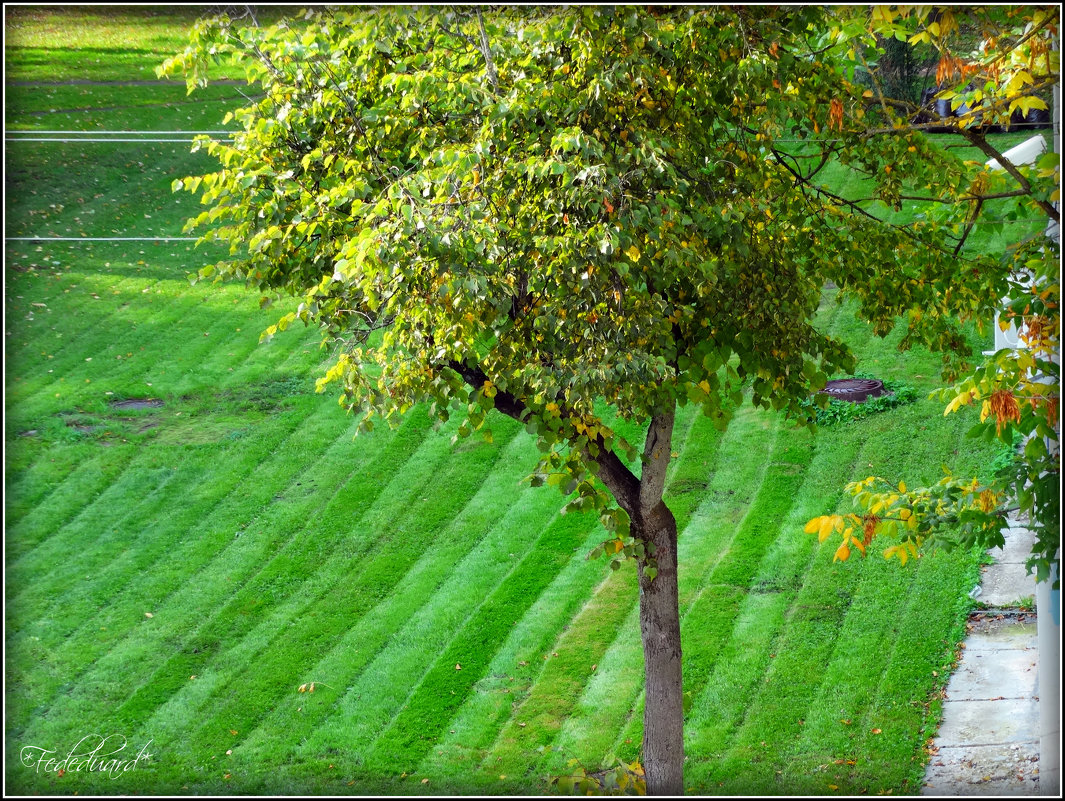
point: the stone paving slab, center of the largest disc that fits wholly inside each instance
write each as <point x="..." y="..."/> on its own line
<point x="1005" y="583"/>
<point x="1003" y="721"/>
<point x="997" y="635"/>
<point x="984" y="771"/>
<point x="1017" y="549"/>
<point x="979" y="678"/>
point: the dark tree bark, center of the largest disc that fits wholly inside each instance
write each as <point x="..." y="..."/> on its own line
<point x="663" y="716"/>
<point x="653" y="522"/>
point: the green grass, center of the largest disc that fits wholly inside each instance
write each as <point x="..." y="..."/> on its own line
<point x="442" y="607"/>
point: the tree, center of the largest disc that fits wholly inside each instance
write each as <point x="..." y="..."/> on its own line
<point x="572" y="216"/>
<point x="996" y="65"/>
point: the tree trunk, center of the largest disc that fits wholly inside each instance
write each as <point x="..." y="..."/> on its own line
<point x="663" y="716"/>
<point x="651" y="521"/>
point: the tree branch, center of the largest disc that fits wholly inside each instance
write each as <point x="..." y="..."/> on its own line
<point x="621" y="481"/>
<point x="656" y="455"/>
<point x="493" y="78"/>
<point x="981" y="142"/>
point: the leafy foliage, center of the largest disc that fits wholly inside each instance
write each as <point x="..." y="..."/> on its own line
<point x="620" y="778"/>
<point x="1019" y="389"/>
<point x="541" y="209"/>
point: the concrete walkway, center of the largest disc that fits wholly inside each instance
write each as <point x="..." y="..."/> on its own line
<point x="988" y="742"/>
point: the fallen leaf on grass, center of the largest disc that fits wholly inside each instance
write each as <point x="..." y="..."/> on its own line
<point x="876" y="731"/>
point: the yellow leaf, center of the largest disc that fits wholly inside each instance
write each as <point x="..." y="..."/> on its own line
<point x="902" y="486"/>
<point x="826" y="528"/>
<point x="633" y="253"/>
<point x="813" y="526"/>
<point x="843" y="553"/>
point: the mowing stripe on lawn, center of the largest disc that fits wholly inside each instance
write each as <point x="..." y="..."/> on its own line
<point x="37" y="469"/>
<point x="481" y="627"/>
<point x="225" y="584"/>
<point x="906" y="709"/>
<point x="514" y="667"/>
<point x="342" y="595"/>
<point x="503" y="524"/>
<point x="804" y="652"/>
<point x="39" y="333"/>
<point x="615" y="688"/>
<point x="705" y="539"/>
<point x="115" y="331"/>
<point x="183" y="539"/>
<point x="444" y="689"/>
<point x="366" y="707"/>
<point x="44" y="572"/>
<point x="65" y="500"/>
<point x="738" y="674"/>
<point x="726" y="695"/>
<point x="290" y="555"/>
<point x="125" y="615"/>
<point x="557" y="688"/>
<point x="701" y="448"/>
<point x="149" y="337"/>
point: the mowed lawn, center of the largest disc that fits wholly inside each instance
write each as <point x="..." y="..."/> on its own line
<point x="176" y="573"/>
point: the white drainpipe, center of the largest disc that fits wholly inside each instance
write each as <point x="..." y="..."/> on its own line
<point x="1048" y="601"/>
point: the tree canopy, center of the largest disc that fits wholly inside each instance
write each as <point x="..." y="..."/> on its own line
<point x="546" y="209"/>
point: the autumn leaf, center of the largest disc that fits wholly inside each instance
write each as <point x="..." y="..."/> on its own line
<point x="835" y="114"/>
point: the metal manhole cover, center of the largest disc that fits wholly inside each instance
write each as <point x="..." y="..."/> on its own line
<point x="137" y="403"/>
<point x="854" y="389"/>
